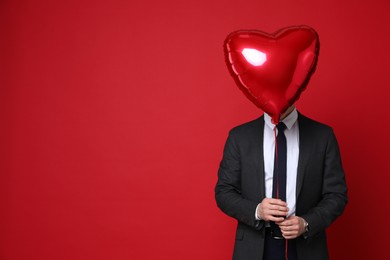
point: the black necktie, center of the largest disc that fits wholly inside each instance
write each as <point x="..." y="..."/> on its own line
<point x="280" y="172"/>
<point x="280" y="164"/>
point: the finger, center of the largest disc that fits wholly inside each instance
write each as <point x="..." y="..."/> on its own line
<point x="277" y="202"/>
<point x="272" y="201"/>
<point x="275" y="219"/>
<point x="290" y="221"/>
<point x="277" y="214"/>
<point x="289" y="229"/>
<point x="289" y="236"/>
<point x="278" y="207"/>
<point x="286" y="223"/>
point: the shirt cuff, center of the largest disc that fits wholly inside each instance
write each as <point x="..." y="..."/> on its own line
<point x="257" y="217"/>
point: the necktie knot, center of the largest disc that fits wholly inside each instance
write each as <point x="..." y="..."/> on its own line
<point x="281" y="127"/>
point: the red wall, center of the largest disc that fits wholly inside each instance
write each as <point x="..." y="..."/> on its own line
<point x="113" y="117"/>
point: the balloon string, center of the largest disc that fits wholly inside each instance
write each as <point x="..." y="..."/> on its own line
<point x="286" y="252"/>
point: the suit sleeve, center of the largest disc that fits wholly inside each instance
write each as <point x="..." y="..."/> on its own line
<point x="334" y="190"/>
<point x="228" y="189"/>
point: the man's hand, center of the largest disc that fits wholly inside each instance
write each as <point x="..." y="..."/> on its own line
<point x="272" y="210"/>
<point x="292" y="227"/>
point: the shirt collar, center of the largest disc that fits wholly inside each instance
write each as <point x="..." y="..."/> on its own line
<point x="289" y="121"/>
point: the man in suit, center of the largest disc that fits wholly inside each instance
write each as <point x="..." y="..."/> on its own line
<point x="316" y="189"/>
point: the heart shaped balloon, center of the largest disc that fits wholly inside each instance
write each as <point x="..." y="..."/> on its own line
<point x="272" y="69"/>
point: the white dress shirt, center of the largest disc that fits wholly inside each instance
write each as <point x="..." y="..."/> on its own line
<point x="292" y="138"/>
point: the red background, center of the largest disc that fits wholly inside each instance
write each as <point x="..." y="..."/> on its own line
<point x="114" y="115"/>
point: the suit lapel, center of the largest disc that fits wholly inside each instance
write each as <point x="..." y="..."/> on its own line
<point x="304" y="151"/>
<point x="259" y="153"/>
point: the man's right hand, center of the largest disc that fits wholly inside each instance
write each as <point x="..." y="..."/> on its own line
<point x="272" y="210"/>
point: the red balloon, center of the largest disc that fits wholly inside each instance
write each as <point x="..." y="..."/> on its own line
<point x="272" y="69"/>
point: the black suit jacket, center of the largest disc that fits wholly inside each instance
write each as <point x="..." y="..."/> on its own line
<point x="321" y="193"/>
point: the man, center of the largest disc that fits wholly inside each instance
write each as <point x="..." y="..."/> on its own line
<point x="315" y="188"/>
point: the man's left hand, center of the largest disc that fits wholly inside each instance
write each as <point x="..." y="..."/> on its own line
<point x="292" y="227"/>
